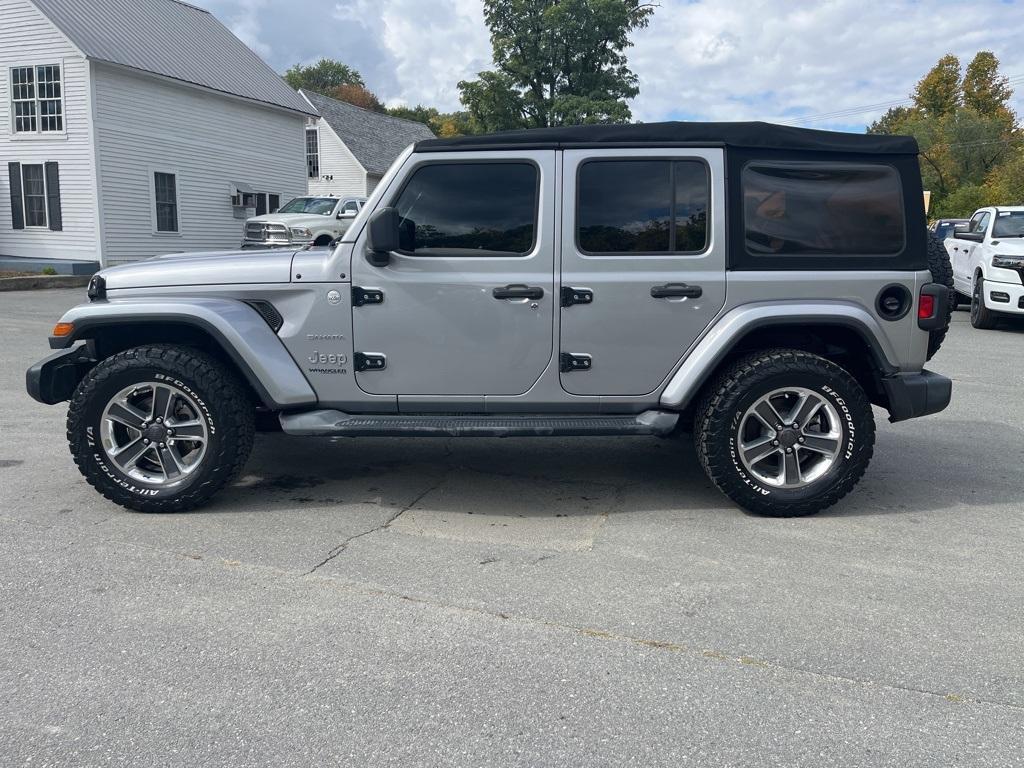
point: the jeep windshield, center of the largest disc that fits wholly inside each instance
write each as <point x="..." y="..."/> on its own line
<point x="1009" y="224"/>
<point x="321" y="206"/>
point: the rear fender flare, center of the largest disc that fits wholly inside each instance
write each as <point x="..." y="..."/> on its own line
<point x="704" y="358"/>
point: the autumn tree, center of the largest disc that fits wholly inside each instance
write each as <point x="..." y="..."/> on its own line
<point x="557" y="62"/>
<point x="358" y="95"/>
<point x="939" y="92"/>
<point x="969" y="142"/>
<point x="985" y="90"/>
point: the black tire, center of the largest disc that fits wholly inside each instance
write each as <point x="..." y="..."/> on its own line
<point x="723" y="412"/>
<point x="208" y="392"/>
<point x="982" y="317"/>
<point x="942" y="272"/>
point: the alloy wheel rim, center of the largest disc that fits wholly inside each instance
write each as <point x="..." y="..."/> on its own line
<point x="154" y="433"/>
<point x="790" y="438"/>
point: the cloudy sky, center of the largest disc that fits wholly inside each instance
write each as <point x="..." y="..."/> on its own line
<point x="826" y="63"/>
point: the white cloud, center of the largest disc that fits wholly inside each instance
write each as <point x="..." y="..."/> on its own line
<point x="712" y="59"/>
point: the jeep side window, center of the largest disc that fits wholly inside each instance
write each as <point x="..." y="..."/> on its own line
<point x="469" y="209"/>
<point x="642" y="206"/>
<point x="822" y="208"/>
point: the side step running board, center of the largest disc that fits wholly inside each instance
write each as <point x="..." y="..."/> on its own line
<point x="338" y="423"/>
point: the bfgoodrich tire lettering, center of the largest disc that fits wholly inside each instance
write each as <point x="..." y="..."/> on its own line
<point x="727" y="403"/>
<point x="219" y="412"/>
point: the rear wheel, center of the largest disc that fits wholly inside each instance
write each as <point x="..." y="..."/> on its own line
<point x="981" y="316"/>
<point x="785" y="433"/>
<point x="160" y="428"/>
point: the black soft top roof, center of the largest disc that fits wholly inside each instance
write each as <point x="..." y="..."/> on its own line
<point x="752" y="135"/>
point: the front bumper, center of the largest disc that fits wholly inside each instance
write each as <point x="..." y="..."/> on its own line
<point x="1004" y="297"/>
<point x="916" y="394"/>
<point x="53" y="379"/>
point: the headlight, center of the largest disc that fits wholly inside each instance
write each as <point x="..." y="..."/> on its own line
<point x="97" y="288"/>
<point x="1008" y="262"/>
<point x="301" y="233"/>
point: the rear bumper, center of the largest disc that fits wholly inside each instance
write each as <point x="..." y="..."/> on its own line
<point x="916" y="394"/>
<point x="53" y="379"/>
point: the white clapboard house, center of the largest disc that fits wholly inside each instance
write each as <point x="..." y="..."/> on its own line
<point x="131" y="128"/>
<point x="349" y="148"/>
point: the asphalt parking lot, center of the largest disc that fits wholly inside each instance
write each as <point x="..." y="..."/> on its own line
<point x="517" y="602"/>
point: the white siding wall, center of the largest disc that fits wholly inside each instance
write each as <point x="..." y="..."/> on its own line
<point x="28" y="38"/>
<point x="145" y="124"/>
<point x="337" y="161"/>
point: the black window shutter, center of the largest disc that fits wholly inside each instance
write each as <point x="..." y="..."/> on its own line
<point x="17" y="211"/>
<point x="53" y="197"/>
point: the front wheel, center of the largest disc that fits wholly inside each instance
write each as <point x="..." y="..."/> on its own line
<point x="982" y="317"/>
<point x="160" y="428"/>
<point x="785" y="433"/>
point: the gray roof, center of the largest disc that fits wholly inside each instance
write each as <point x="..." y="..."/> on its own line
<point x="375" y="139"/>
<point x="173" y="39"/>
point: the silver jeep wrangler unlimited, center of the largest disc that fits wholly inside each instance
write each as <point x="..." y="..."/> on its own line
<point x="757" y="286"/>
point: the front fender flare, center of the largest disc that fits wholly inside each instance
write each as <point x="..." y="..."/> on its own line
<point x="236" y="327"/>
<point x="729" y="329"/>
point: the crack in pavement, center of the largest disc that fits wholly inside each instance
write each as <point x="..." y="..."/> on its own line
<point x="337" y="550"/>
<point x="593" y="633"/>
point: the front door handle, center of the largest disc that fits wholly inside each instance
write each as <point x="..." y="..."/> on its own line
<point x="670" y="290"/>
<point x="519" y="292"/>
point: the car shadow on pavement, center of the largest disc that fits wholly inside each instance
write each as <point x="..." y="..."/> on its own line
<point x="512" y="476"/>
<point x="586" y="476"/>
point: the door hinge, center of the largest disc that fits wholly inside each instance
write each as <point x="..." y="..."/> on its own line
<point x="572" y="296"/>
<point x="572" y="362"/>
<point x="369" y="361"/>
<point x="361" y="296"/>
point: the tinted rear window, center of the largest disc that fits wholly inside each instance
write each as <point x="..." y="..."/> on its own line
<point x="642" y="206"/>
<point x="469" y="209"/>
<point x="822" y="209"/>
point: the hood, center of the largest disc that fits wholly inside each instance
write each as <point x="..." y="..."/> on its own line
<point x="214" y="268"/>
<point x="1008" y="246"/>
<point x="311" y="220"/>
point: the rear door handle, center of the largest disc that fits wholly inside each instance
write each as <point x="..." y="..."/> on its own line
<point x="670" y="290"/>
<point x="519" y="292"/>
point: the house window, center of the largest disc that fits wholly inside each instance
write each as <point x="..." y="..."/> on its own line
<point x="35" y="195"/>
<point x="312" y="153"/>
<point x="273" y="203"/>
<point x="33" y="189"/>
<point x="37" y="98"/>
<point x="165" y="187"/>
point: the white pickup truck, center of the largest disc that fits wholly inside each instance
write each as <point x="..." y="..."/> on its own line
<point x="988" y="263"/>
<point x="302" y="221"/>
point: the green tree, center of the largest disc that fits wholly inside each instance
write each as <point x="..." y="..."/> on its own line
<point x="939" y="92"/>
<point x="892" y="121"/>
<point x="985" y="90"/>
<point x="323" y="77"/>
<point x="1005" y="185"/>
<point x="557" y="62"/>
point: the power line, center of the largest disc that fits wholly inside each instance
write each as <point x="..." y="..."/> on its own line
<point x="858" y="110"/>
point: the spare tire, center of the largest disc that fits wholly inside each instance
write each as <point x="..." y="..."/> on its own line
<point x="942" y="273"/>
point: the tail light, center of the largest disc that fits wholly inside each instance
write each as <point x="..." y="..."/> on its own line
<point x="926" y="307"/>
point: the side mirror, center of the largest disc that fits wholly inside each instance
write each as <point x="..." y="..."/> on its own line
<point x="382" y="236"/>
<point x="346" y="214"/>
<point x="957" y="228"/>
